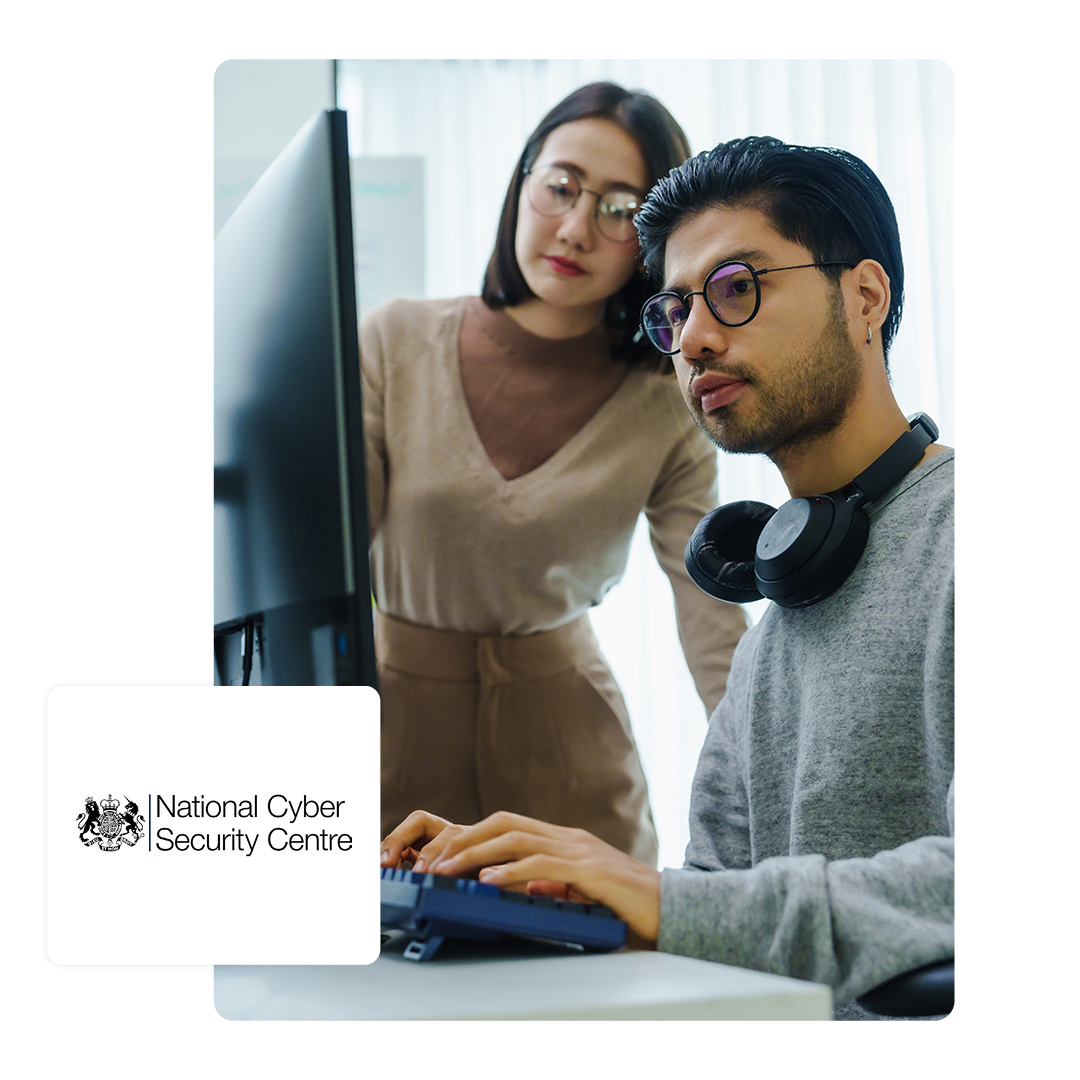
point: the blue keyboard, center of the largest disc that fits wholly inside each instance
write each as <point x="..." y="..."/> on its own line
<point x="433" y="907"/>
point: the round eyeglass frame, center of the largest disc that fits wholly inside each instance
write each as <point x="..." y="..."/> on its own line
<point x="703" y="293"/>
<point x="600" y="195"/>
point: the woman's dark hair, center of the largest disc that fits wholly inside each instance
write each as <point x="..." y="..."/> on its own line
<point x="663" y="145"/>
<point x="827" y="200"/>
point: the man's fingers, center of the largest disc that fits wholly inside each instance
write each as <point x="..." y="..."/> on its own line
<point x="504" y="824"/>
<point x="515" y="847"/>
<point x="433" y="849"/>
<point x="415" y="832"/>
<point x="550" y="868"/>
<point x="555" y="890"/>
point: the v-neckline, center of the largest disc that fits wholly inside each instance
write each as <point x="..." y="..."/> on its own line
<point x="480" y="451"/>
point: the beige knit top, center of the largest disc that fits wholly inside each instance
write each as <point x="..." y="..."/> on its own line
<point x="457" y="546"/>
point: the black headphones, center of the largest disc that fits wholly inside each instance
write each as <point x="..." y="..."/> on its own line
<point x="804" y="551"/>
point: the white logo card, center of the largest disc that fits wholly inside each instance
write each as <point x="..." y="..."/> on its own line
<point x="213" y="825"/>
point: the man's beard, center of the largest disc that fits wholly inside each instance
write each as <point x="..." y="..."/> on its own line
<point x="805" y="400"/>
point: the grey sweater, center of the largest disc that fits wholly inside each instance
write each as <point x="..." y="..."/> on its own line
<point x="822" y="805"/>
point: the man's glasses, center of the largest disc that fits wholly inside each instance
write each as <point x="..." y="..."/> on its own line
<point x="731" y="292"/>
<point x="553" y="191"/>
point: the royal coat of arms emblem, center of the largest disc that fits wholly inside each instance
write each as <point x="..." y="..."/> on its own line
<point x="108" y="828"/>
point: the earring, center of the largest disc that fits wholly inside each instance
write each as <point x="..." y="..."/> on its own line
<point x="869" y="335"/>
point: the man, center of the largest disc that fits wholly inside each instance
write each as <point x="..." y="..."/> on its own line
<point x="821" y="816"/>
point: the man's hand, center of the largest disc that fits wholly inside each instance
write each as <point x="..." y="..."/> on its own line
<point x="420" y="838"/>
<point x="509" y="850"/>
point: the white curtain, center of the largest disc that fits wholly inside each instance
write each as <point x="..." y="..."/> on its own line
<point x="468" y="120"/>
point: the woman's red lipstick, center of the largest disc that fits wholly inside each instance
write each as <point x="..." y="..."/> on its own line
<point x="564" y="266"/>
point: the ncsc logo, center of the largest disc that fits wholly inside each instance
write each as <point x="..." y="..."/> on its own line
<point x="105" y="827"/>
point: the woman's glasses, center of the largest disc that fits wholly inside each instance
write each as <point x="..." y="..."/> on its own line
<point x="731" y="292"/>
<point x="552" y="191"/>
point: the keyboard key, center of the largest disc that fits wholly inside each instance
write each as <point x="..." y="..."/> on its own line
<point x="441" y="881"/>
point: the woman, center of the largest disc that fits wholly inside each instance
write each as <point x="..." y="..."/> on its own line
<point x="512" y="441"/>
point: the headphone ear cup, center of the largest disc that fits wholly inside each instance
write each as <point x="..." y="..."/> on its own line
<point x="810" y="547"/>
<point x="720" y="552"/>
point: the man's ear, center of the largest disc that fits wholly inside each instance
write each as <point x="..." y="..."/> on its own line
<point x="868" y="297"/>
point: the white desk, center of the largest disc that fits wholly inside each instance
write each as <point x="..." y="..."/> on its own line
<point x="474" y="983"/>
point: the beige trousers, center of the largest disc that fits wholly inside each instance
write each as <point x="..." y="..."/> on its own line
<point x="534" y="724"/>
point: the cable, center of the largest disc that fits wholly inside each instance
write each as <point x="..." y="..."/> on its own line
<point x="247" y="649"/>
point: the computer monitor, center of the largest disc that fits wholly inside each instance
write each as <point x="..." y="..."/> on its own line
<point x="292" y="593"/>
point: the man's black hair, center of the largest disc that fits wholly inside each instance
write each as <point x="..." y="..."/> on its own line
<point x="827" y="200"/>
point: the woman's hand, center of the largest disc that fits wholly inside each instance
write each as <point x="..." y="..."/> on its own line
<point x="510" y="850"/>
<point x="420" y="838"/>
